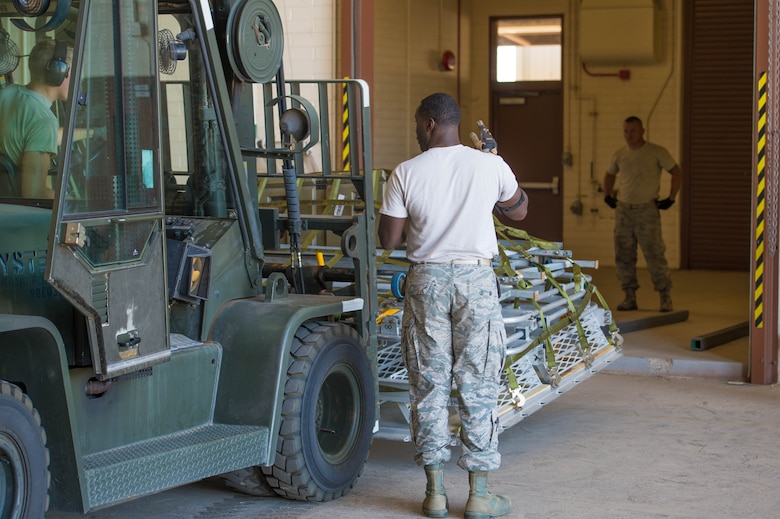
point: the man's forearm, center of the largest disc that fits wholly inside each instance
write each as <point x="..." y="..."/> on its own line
<point x="608" y="184"/>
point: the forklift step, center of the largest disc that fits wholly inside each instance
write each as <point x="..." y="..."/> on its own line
<point x="150" y="466"/>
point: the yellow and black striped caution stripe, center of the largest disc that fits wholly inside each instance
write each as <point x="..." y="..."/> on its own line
<point x="758" y="310"/>
<point x="345" y="128"/>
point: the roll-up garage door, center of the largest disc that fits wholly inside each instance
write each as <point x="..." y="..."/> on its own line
<point x="717" y="137"/>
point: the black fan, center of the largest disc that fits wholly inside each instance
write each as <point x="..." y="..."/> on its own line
<point x="169" y="50"/>
<point x="9" y="53"/>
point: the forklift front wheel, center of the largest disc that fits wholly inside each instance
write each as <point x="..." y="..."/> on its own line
<point x="327" y="416"/>
<point x="24" y="458"/>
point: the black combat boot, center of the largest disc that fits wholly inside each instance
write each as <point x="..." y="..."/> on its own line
<point x="666" y="301"/>
<point x="629" y="303"/>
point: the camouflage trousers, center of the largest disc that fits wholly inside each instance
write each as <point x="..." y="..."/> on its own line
<point x="454" y="338"/>
<point x="640" y="224"/>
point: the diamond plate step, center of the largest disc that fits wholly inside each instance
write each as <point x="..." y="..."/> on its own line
<point x="165" y="462"/>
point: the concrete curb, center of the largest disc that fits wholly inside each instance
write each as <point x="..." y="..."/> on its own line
<point x="678" y="368"/>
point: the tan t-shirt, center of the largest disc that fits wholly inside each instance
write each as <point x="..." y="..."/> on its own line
<point x="640" y="171"/>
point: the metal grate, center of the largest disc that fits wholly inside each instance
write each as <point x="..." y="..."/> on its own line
<point x="538" y="383"/>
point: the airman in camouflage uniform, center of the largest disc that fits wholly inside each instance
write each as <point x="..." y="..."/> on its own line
<point x="440" y="202"/>
<point x="637" y="217"/>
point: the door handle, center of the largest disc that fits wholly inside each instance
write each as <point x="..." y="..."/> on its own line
<point x="552" y="185"/>
<point x="128" y="339"/>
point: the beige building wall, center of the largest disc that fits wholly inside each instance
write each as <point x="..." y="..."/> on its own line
<point x="309" y="38"/>
<point x="310" y="30"/>
<point x="409" y="39"/>
<point x="595" y="109"/>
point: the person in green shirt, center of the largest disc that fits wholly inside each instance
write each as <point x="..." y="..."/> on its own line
<point x="29" y="130"/>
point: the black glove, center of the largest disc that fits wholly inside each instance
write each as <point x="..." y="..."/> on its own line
<point x="666" y="203"/>
<point x="610" y="201"/>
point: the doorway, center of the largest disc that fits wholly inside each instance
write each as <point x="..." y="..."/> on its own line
<point x="526" y="114"/>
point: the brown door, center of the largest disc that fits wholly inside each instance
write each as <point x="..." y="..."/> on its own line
<point x="526" y="114"/>
<point x="528" y="127"/>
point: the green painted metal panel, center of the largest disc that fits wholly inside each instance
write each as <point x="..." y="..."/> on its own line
<point x="33" y="357"/>
<point x="175" y="396"/>
<point x="256" y="336"/>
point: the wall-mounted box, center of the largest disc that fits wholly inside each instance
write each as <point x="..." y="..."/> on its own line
<point x="620" y="32"/>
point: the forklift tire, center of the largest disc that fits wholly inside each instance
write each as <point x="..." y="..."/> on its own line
<point x="327" y="416"/>
<point x="250" y="481"/>
<point x="24" y="458"/>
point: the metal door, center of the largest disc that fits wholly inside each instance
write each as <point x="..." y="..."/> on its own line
<point x="528" y="127"/>
<point x="526" y="114"/>
<point x="107" y="250"/>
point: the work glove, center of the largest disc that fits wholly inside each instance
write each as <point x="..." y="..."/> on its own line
<point x="664" y="204"/>
<point x="485" y="141"/>
<point x="610" y="201"/>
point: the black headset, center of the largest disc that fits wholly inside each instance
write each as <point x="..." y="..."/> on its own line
<point x="57" y="68"/>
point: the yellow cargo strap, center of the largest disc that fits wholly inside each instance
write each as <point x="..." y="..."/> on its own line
<point x="505" y="267"/>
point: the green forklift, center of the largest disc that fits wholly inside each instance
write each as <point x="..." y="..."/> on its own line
<point x="146" y="339"/>
<point x="203" y="297"/>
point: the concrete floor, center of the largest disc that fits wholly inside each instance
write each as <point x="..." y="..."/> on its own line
<point x="714" y="301"/>
<point x="667" y="433"/>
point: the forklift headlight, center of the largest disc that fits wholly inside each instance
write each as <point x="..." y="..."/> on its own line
<point x="190" y="283"/>
<point x="197" y="278"/>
